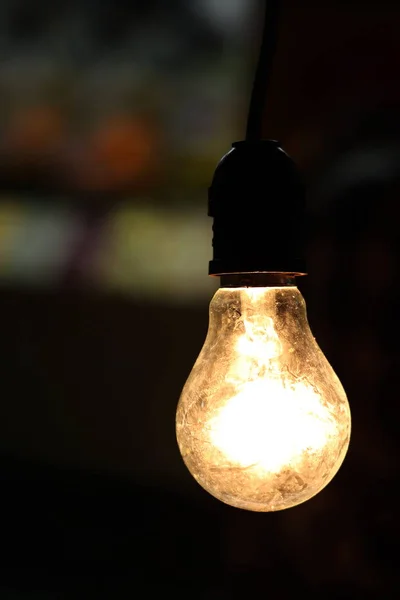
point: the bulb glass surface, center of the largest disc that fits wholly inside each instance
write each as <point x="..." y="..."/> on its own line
<point x="263" y="422"/>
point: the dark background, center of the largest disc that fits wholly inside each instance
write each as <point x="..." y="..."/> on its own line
<point x="113" y="116"/>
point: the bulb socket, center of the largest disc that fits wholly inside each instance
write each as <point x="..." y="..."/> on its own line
<point x="257" y="201"/>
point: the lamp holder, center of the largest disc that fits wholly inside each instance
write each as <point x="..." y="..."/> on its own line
<point x="257" y="201"/>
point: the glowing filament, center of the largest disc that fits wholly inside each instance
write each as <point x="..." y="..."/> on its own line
<point x="270" y="426"/>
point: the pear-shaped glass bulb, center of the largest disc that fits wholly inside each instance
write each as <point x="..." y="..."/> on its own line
<point x="263" y="422"/>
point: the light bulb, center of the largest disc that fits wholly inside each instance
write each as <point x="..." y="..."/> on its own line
<point x="263" y="422"/>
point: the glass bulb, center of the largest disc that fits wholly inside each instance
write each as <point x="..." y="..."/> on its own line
<point x="263" y="422"/>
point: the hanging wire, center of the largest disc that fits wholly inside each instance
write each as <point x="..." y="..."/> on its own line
<point x="263" y="71"/>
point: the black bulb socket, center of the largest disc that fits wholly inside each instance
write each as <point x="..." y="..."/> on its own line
<point x="257" y="201"/>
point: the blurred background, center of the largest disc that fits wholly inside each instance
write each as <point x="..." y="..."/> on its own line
<point x="113" y="116"/>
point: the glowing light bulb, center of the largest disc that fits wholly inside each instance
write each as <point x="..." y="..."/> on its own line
<point x="263" y="422"/>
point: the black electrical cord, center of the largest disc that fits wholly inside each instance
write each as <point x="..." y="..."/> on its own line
<point x="263" y="71"/>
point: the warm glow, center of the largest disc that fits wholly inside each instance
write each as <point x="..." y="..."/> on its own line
<point x="263" y="422"/>
<point x="270" y="426"/>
